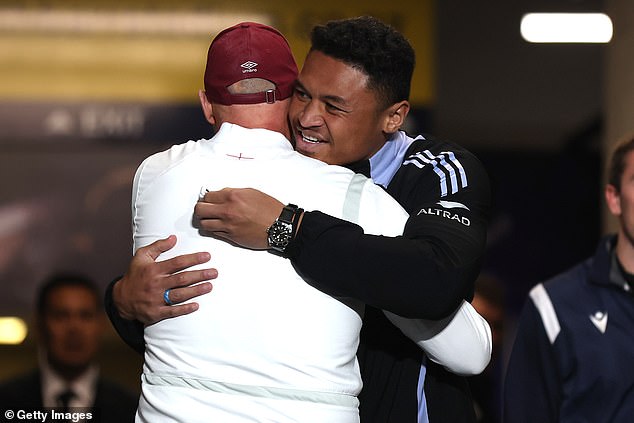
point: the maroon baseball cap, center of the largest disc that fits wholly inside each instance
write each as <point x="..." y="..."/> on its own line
<point x="249" y="50"/>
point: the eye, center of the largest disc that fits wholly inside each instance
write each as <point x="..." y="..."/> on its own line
<point x="334" y="109"/>
<point x="301" y="94"/>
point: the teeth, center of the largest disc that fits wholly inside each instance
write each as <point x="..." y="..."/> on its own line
<point x="311" y="140"/>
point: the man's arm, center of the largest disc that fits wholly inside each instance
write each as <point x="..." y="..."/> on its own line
<point x="425" y="273"/>
<point x="418" y="275"/>
<point x="461" y="343"/>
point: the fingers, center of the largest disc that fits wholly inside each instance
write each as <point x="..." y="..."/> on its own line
<point x="160" y="246"/>
<point x="216" y="205"/>
<point x="139" y="293"/>
<point x="175" y="264"/>
<point x="155" y="310"/>
<point x="166" y="312"/>
<point x="179" y="263"/>
<point x="209" y="216"/>
<point x="177" y="310"/>
<point x="220" y="220"/>
<point x="217" y="197"/>
<point x="182" y="294"/>
<point x="213" y="211"/>
<point x="176" y="296"/>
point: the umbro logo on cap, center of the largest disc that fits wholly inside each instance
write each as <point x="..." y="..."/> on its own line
<point x="249" y="66"/>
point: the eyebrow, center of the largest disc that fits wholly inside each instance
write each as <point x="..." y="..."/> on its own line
<point x="330" y="98"/>
<point x="336" y="99"/>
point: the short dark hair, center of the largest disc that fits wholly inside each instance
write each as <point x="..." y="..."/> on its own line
<point x="63" y="279"/>
<point x="373" y="47"/>
<point x="616" y="166"/>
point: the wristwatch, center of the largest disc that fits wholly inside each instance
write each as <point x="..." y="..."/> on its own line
<point x="281" y="231"/>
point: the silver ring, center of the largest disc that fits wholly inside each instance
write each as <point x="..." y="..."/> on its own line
<point x="166" y="297"/>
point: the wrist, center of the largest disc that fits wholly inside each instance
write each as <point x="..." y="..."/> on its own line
<point x="284" y="229"/>
<point x="297" y="221"/>
<point x="117" y="300"/>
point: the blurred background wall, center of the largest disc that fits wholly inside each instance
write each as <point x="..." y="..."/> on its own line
<point x="90" y="88"/>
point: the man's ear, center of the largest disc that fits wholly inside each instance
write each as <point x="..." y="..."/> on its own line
<point x="613" y="199"/>
<point x="396" y="115"/>
<point x="208" y="109"/>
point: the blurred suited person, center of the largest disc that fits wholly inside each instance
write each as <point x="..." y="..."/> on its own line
<point x="70" y="321"/>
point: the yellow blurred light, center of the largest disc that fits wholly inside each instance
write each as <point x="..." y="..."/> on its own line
<point x="13" y="330"/>
<point x="566" y="28"/>
<point x="124" y="22"/>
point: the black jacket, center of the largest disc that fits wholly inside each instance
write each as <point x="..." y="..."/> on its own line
<point x="423" y="274"/>
<point x="573" y="350"/>
<point x="112" y="403"/>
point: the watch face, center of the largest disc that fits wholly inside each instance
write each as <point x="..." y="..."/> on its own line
<point x="280" y="235"/>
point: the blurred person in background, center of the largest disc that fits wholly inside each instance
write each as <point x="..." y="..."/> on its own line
<point x="573" y="352"/>
<point x="70" y="322"/>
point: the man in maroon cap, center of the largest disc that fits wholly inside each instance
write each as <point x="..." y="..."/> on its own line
<point x="265" y="346"/>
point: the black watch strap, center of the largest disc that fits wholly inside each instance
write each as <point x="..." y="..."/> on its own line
<point x="282" y="231"/>
<point x="287" y="214"/>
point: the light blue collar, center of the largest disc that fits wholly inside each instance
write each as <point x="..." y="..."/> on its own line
<point x="386" y="161"/>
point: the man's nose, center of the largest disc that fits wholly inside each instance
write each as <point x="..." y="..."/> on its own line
<point x="311" y="115"/>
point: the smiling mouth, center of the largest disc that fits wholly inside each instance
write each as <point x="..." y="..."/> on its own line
<point x="310" y="140"/>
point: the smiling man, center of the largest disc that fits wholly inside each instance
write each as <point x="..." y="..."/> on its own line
<point x="334" y="117"/>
